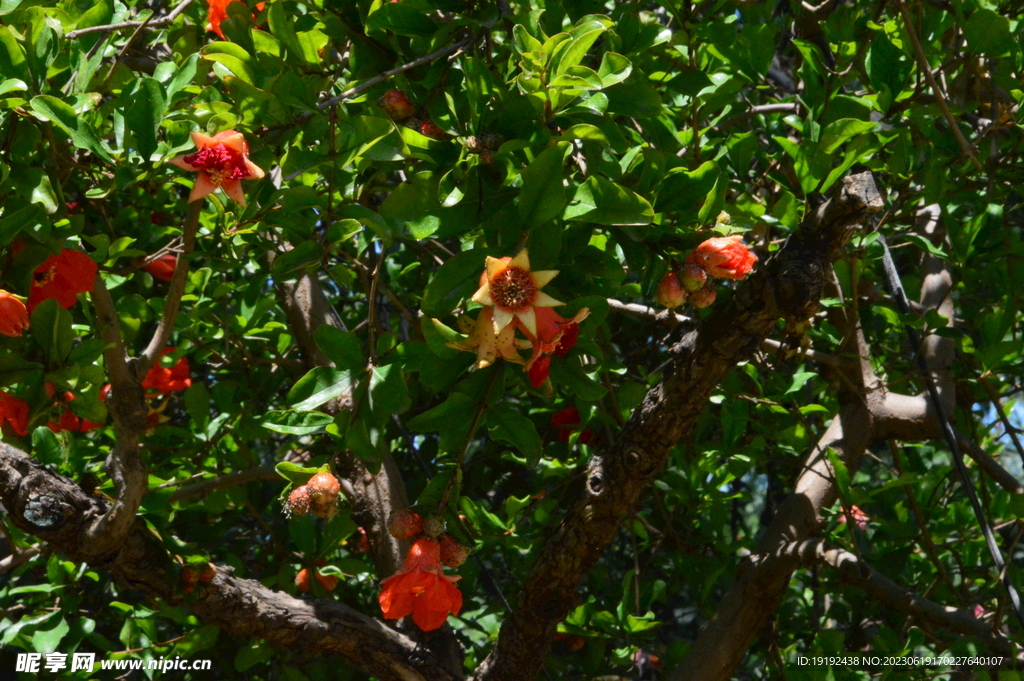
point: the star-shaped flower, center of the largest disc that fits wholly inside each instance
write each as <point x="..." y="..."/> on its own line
<point x="513" y="289"/>
<point x="222" y="161"/>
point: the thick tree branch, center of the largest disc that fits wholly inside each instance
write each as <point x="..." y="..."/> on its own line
<point x="59" y="512"/>
<point x="788" y="286"/>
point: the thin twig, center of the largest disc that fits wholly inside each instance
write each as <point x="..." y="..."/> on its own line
<point x="156" y="23"/>
<point x="243" y="477"/>
<point x="940" y="96"/>
<point x="175" y="291"/>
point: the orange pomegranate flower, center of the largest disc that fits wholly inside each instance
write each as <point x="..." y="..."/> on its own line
<point x="724" y="257"/>
<point x="62" y="277"/>
<point x="167" y="380"/>
<point x="515" y="291"/>
<point x="163" y="267"/>
<point x="222" y="161"/>
<point x="15" y="411"/>
<point x="219" y="12"/>
<point x="421" y="588"/>
<point x="13" y="315"/>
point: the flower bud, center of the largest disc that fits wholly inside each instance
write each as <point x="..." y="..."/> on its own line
<point x="693" y="278"/>
<point x="404" y="524"/>
<point x="670" y="293"/>
<point x="323" y="488"/>
<point x="299" y="502"/>
<point x="453" y="554"/>
<point x="430" y="129"/>
<point x="396" y="105"/>
<point x="704" y="297"/>
<point x="433" y="526"/>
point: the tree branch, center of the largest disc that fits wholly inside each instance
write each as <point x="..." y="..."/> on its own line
<point x="789" y="286"/>
<point x="155" y="23"/>
<point x="57" y="511"/>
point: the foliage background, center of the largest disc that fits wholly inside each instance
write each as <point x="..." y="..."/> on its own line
<point x="624" y="129"/>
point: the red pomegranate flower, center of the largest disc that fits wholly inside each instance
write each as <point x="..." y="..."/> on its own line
<point x="724" y="257"/>
<point x="566" y="420"/>
<point x="539" y="372"/>
<point x="555" y="335"/>
<point x="515" y="291"/>
<point x="163" y="267"/>
<point x="167" y="380"/>
<point x="13" y="315"/>
<point x="15" y="411"/>
<point x="70" y="421"/>
<point x="221" y="161"/>
<point x="62" y="277"/>
<point x="421" y="588"/>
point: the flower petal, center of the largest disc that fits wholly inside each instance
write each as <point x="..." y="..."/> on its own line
<point x="233" y="140"/>
<point x="544" y="300"/>
<point x="180" y="162"/>
<point x="494" y="265"/>
<point x="202" y="140"/>
<point x="542" y="277"/>
<point x="502" y="319"/>
<point x="483" y="295"/>
<point x="522" y="260"/>
<point x="233" y="188"/>
<point x="255" y="172"/>
<point x="529" y="319"/>
<point x="202" y="188"/>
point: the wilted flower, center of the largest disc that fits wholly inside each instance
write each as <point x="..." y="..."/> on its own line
<point x="221" y="161"/>
<point x="13" y="315"/>
<point x="62" y="277"/>
<point x="724" y="257"/>
<point x="514" y="290"/>
<point x="421" y="588"/>
<point x="487" y="344"/>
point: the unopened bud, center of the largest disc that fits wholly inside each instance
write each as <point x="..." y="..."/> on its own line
<point x="433" y="526"/>
<point x="404" y="524"/>
<point x="453" y="554"/>
<point x="704" y="297"/>
<point x="693" y="277"/>
<point x="670" y="292"/>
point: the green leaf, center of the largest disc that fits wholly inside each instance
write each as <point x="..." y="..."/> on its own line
<point x="606" y="203"/>
<point x="12" y="56"/>
<point x="303" y="255"/>
<point x="438" y="335"/>
<point x="401" y="19"/>
<point x="388" y="391"/>
<point x="614" y="69"/>
<point x="51" y="328"/>
<point x="837" y="133"/>
<point x="839" y="469"/>
<point x="341" y="347"/>
<point x="457" y="278"/>
<point x="233" y="57"/>
<point x="47" y="447"/>
<point x="294" y="473"/>
<point x="45" y="641"/>
<point x="543" y="195"/>
<point x="143" y="115"/>
<point x="197" y="404"/>
<point x="252" y="654"/>
<point x="687" y="191"/>
<point x="511" y="427"/>
<point x="430" y="497"/>
<point x="573" y="52"/>
<point x="21" y="219"/>
<point x="296" y="422"/>
<point x="77" y="128"/>
<point x="570" y="373"/>
<point x="989" y="33"/>
<point x="367" y="442"/>
<point x="799" y="380"/>
<point x="319" y="386"/>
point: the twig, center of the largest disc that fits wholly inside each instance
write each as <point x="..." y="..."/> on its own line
<point x="145" y="361"/>
<point x="1007" y="426"/>
<point x="940" y="96"/>
<point x="667" y="317"/>
<point x="1002" y="476"/>
<point x="15" y="559"/>
<point x="200" y="489"/>
<point x="353" y="91"/>
<point x="156" y="23"/>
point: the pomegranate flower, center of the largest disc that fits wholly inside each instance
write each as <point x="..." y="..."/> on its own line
<point x="167" y="380"/>
<point x="566" y="421"/>
<point x="724" y="257"/>
<point x="857" y="516"/>
<point x="514" y="290"/>
<point x="62" y="277"/>
<point x="555" y="335"/>
<point x="219" y="12"/>
<point x="421" y="588"/>
<point x="487" y="344"/>
<point x="13" y="315"/>
<point x="15" y="411"/>
<point x="163" y="267"/>
<point x="70" y="421"/>
<point x="221" y="161"/>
